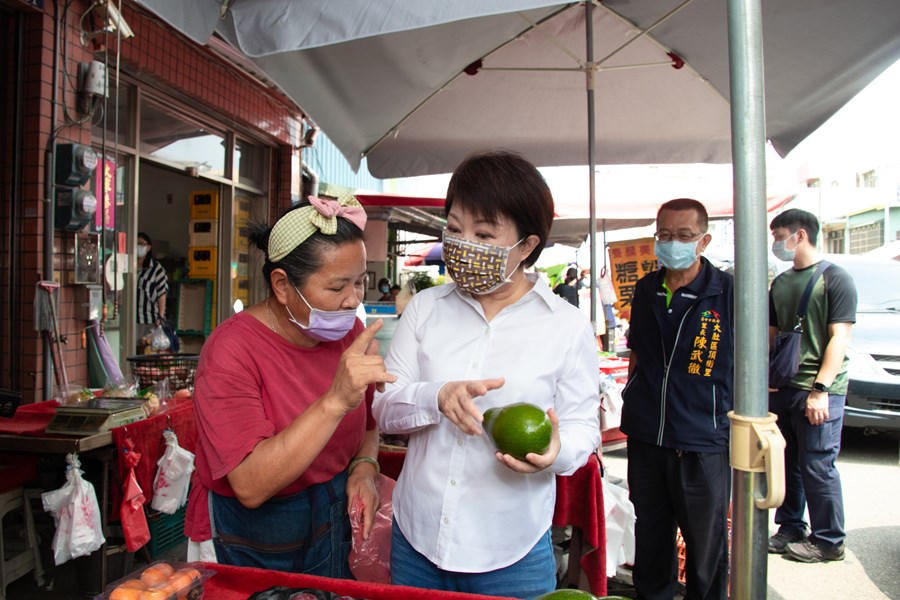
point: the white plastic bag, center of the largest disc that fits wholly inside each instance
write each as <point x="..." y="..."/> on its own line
<point x="619" y="526"/>
<point x="173" y="476"/>
<point x="76" y="512"/>
<point x="610" y="403"/>
<point x="160" y="341"/>
<point x="607" y="289"/>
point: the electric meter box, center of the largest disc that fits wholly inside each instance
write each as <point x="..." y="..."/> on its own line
<point x="204" y="232"/>
<point x="75" y="208"/>
<point x="205" y="204"/>
<point x="75" y="163"/>
<point x="89" y="304"/>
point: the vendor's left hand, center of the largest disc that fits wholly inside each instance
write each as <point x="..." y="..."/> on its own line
<point x="361" y="482"/>
<point x="536" y="462"/>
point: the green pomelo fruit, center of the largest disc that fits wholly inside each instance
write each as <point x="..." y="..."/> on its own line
<point x="567" y="595"/>
<point x="518" y="429"/>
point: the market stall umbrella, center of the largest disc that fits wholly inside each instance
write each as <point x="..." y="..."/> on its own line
<point x="411" y="86"/>
<point x="428" y="253"/>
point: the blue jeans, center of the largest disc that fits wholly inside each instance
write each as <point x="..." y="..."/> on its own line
<point x="811" y="477"/>
<point x="307" y="532"/>
<point x="531" y="576"/>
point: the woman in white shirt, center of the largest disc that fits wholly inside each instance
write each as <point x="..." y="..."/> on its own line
<point x="466" y="517"/>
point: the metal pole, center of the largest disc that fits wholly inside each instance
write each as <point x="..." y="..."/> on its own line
<point x="590" y="74"/>
<point x="749" y="524"/>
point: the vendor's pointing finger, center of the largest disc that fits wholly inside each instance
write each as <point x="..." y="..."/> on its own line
<point x="361" y="344"/>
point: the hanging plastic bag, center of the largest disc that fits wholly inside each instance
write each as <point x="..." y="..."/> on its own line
<point x="607" y="289"/>
<point x="620" y="521"/>
<point x="76" y="513"/>
<point x="610" y="403"/>
<point x="159" y="341"/>
<point x="174" y="342"/>
<point x="370" y="559"/>
<point x="173" y="476"/>
<point x="131" y="512"/>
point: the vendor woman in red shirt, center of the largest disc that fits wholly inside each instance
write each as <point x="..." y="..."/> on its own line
<point x="282" y="396"/>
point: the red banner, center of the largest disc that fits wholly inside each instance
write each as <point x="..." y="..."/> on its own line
<point x="105" y="192"/>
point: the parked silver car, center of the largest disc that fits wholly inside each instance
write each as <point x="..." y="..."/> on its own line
<point x="873" y="398"/>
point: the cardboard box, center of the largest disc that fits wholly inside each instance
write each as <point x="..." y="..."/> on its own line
<point x="195" y="303"/>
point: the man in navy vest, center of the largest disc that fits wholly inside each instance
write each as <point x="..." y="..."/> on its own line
<point x="675" y="413"/>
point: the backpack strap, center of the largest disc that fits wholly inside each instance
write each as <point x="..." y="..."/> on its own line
<point x="804" y="299"/>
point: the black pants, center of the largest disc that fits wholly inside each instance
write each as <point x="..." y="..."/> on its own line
<point x="692" y="491"/>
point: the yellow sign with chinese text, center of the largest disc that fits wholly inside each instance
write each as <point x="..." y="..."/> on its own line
<point x="629" y="261"/>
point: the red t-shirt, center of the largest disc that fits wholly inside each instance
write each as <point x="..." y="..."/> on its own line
<point x="251" y="384"/>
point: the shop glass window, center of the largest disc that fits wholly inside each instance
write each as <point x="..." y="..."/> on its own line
<point x="117" y="123"/>
<point x="249" y="164"/>
<point x="181" y="143"/>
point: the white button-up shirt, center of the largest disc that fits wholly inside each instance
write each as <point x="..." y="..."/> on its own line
<point x="455" y="502"/>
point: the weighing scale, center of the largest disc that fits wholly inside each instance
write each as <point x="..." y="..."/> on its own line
<point x="96" y="416"/>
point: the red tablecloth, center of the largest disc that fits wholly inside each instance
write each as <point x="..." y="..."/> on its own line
<point x="148" y="440"/>
<point x="30" y="419"/>
<point x="579" y="502"/>
<point x="238" y="583"/>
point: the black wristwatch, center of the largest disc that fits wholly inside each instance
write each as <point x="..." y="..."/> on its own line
<point x="820" y="387"/>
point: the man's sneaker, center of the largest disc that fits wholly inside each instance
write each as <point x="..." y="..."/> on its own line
<point x="780" y="540"/>
<point x="807" y="552"/>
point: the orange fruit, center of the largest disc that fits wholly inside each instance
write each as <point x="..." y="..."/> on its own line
<point x="128" y="590"/>
<point x="190" y="571"/>
<point x="518" y="429"/>
<point x="156" y="573"/>
<point x="179" y="583"/>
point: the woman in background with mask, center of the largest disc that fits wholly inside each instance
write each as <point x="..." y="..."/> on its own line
<point x="282" y="396"/>
<point x="466" y="517"/>
<point x="152" y="289"/>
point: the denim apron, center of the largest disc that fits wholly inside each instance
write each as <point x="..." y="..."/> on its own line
<point x="307" y="532"/>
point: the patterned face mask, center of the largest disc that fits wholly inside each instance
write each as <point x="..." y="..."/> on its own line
<point x="476" y="267"/>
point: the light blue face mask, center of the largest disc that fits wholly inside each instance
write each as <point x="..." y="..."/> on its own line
<point x="781" y="252"/>
<point x="676" y="255"/>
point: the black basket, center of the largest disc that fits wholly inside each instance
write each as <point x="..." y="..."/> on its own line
<point x="9" y="402"/>
<point x="178" y="368"/>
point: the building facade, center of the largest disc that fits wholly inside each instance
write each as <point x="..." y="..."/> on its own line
<point x="113" y="125"/>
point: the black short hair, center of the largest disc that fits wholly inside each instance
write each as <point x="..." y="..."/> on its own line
<point x="794" y="219"/>
<point x="145" y="262"/>
<point x="687" y="204"/>
<point x="501" y="183"/>
<point x="306" y="258"/>
<point x="571" y="273"/>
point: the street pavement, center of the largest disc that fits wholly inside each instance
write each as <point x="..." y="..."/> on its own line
<point x="870" y="473"/>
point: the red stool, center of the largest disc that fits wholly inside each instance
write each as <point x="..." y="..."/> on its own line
<point x="19" y="555"/>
